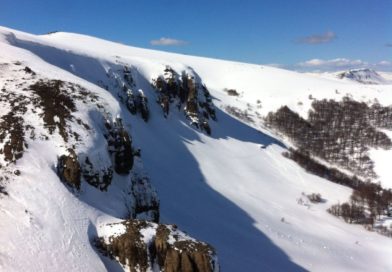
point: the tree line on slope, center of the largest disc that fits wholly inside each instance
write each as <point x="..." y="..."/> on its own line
<point x="341" y="133"/>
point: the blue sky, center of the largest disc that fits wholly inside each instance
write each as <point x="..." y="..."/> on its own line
<point x="297" y="34"/>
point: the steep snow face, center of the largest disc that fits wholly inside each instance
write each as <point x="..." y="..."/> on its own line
<point x="232" y="189"/>
<point x="365" y="76"/>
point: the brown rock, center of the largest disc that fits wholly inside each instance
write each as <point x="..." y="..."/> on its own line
<point x="181" y="255"/>
<point x="68" y="169"/>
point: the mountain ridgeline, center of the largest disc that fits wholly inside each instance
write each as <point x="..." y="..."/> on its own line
<point x="109" y="153"/>
<point x="364" y="76"/>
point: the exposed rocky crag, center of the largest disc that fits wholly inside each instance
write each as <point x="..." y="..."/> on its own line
<point x="119" y="146"/>
<point x="99" y="178"/>
<point x="121" y="82"/>
<point x="68" y="169"/>
<point x="145" y="199"/>
<point x="141" y="246"/>
<point x="187" y="94"/>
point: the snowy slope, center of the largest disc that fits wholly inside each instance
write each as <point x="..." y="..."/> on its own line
<point x="224" y="189"/>
<point x="386" y="75"/>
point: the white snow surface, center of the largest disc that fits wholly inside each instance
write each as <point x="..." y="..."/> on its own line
<point x="223" y="189"/>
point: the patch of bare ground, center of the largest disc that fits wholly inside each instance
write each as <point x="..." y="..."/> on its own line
<point x="12" y="133"/>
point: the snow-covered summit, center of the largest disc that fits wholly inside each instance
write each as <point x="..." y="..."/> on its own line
<point x="365" y="76"/>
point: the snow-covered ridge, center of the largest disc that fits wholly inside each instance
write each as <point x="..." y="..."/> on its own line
<point x="232" y="189"/>
<point x="365" y="76"/>
<point x="270" y="84"/>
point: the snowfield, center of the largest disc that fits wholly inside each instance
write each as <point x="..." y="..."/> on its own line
<point x="232" y="189"/>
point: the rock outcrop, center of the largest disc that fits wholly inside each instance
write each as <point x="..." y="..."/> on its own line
<point x="145" y="199"/>
<point x="122" y="82"/>
<point x="143" y="245"/>
<point x="119" y="146"/>
<point x="68" y="169"/>
<point x="137" y="103"/>
<point x="175" y="254"/>
<point x="99" y="178"/>
<point x="187" y="94"/>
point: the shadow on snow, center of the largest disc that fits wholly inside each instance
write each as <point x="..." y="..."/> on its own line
<point x="186" y="199"/>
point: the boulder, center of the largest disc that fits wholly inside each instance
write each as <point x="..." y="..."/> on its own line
<point x="145" y="199"/>
<point x="99" y="178"/>
<point x="68" y="169"/>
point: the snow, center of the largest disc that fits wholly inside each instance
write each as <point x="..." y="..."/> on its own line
<point x="107" y="230"/>
<point x="223" y="189"/>
<point x="383" y="159"/>
<point x="148" y="234"/>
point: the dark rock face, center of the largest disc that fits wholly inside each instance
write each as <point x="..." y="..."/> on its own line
<point x="135" y="101"/>
<point x="188" y="95"/>
<point x="129" y="247"/>
<point x="338" y="132"/>
<point x="123" y="157"/>
<point x="29" y="71"/>
<point x="168" y="248"/>
<point x="232" y="92"/>
<point x="182" y="255"/>
<point x="68" y="169"/>
<point x="142" y="106"/>
<point x="120" y="147"/>
<point x="99" y="178"/>
<point x="130" y="101"/>
<point x="2" y="190"/>
<point x="146" y="201"/>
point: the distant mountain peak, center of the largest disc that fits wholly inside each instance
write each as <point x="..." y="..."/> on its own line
<point x="362" y="75"/>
